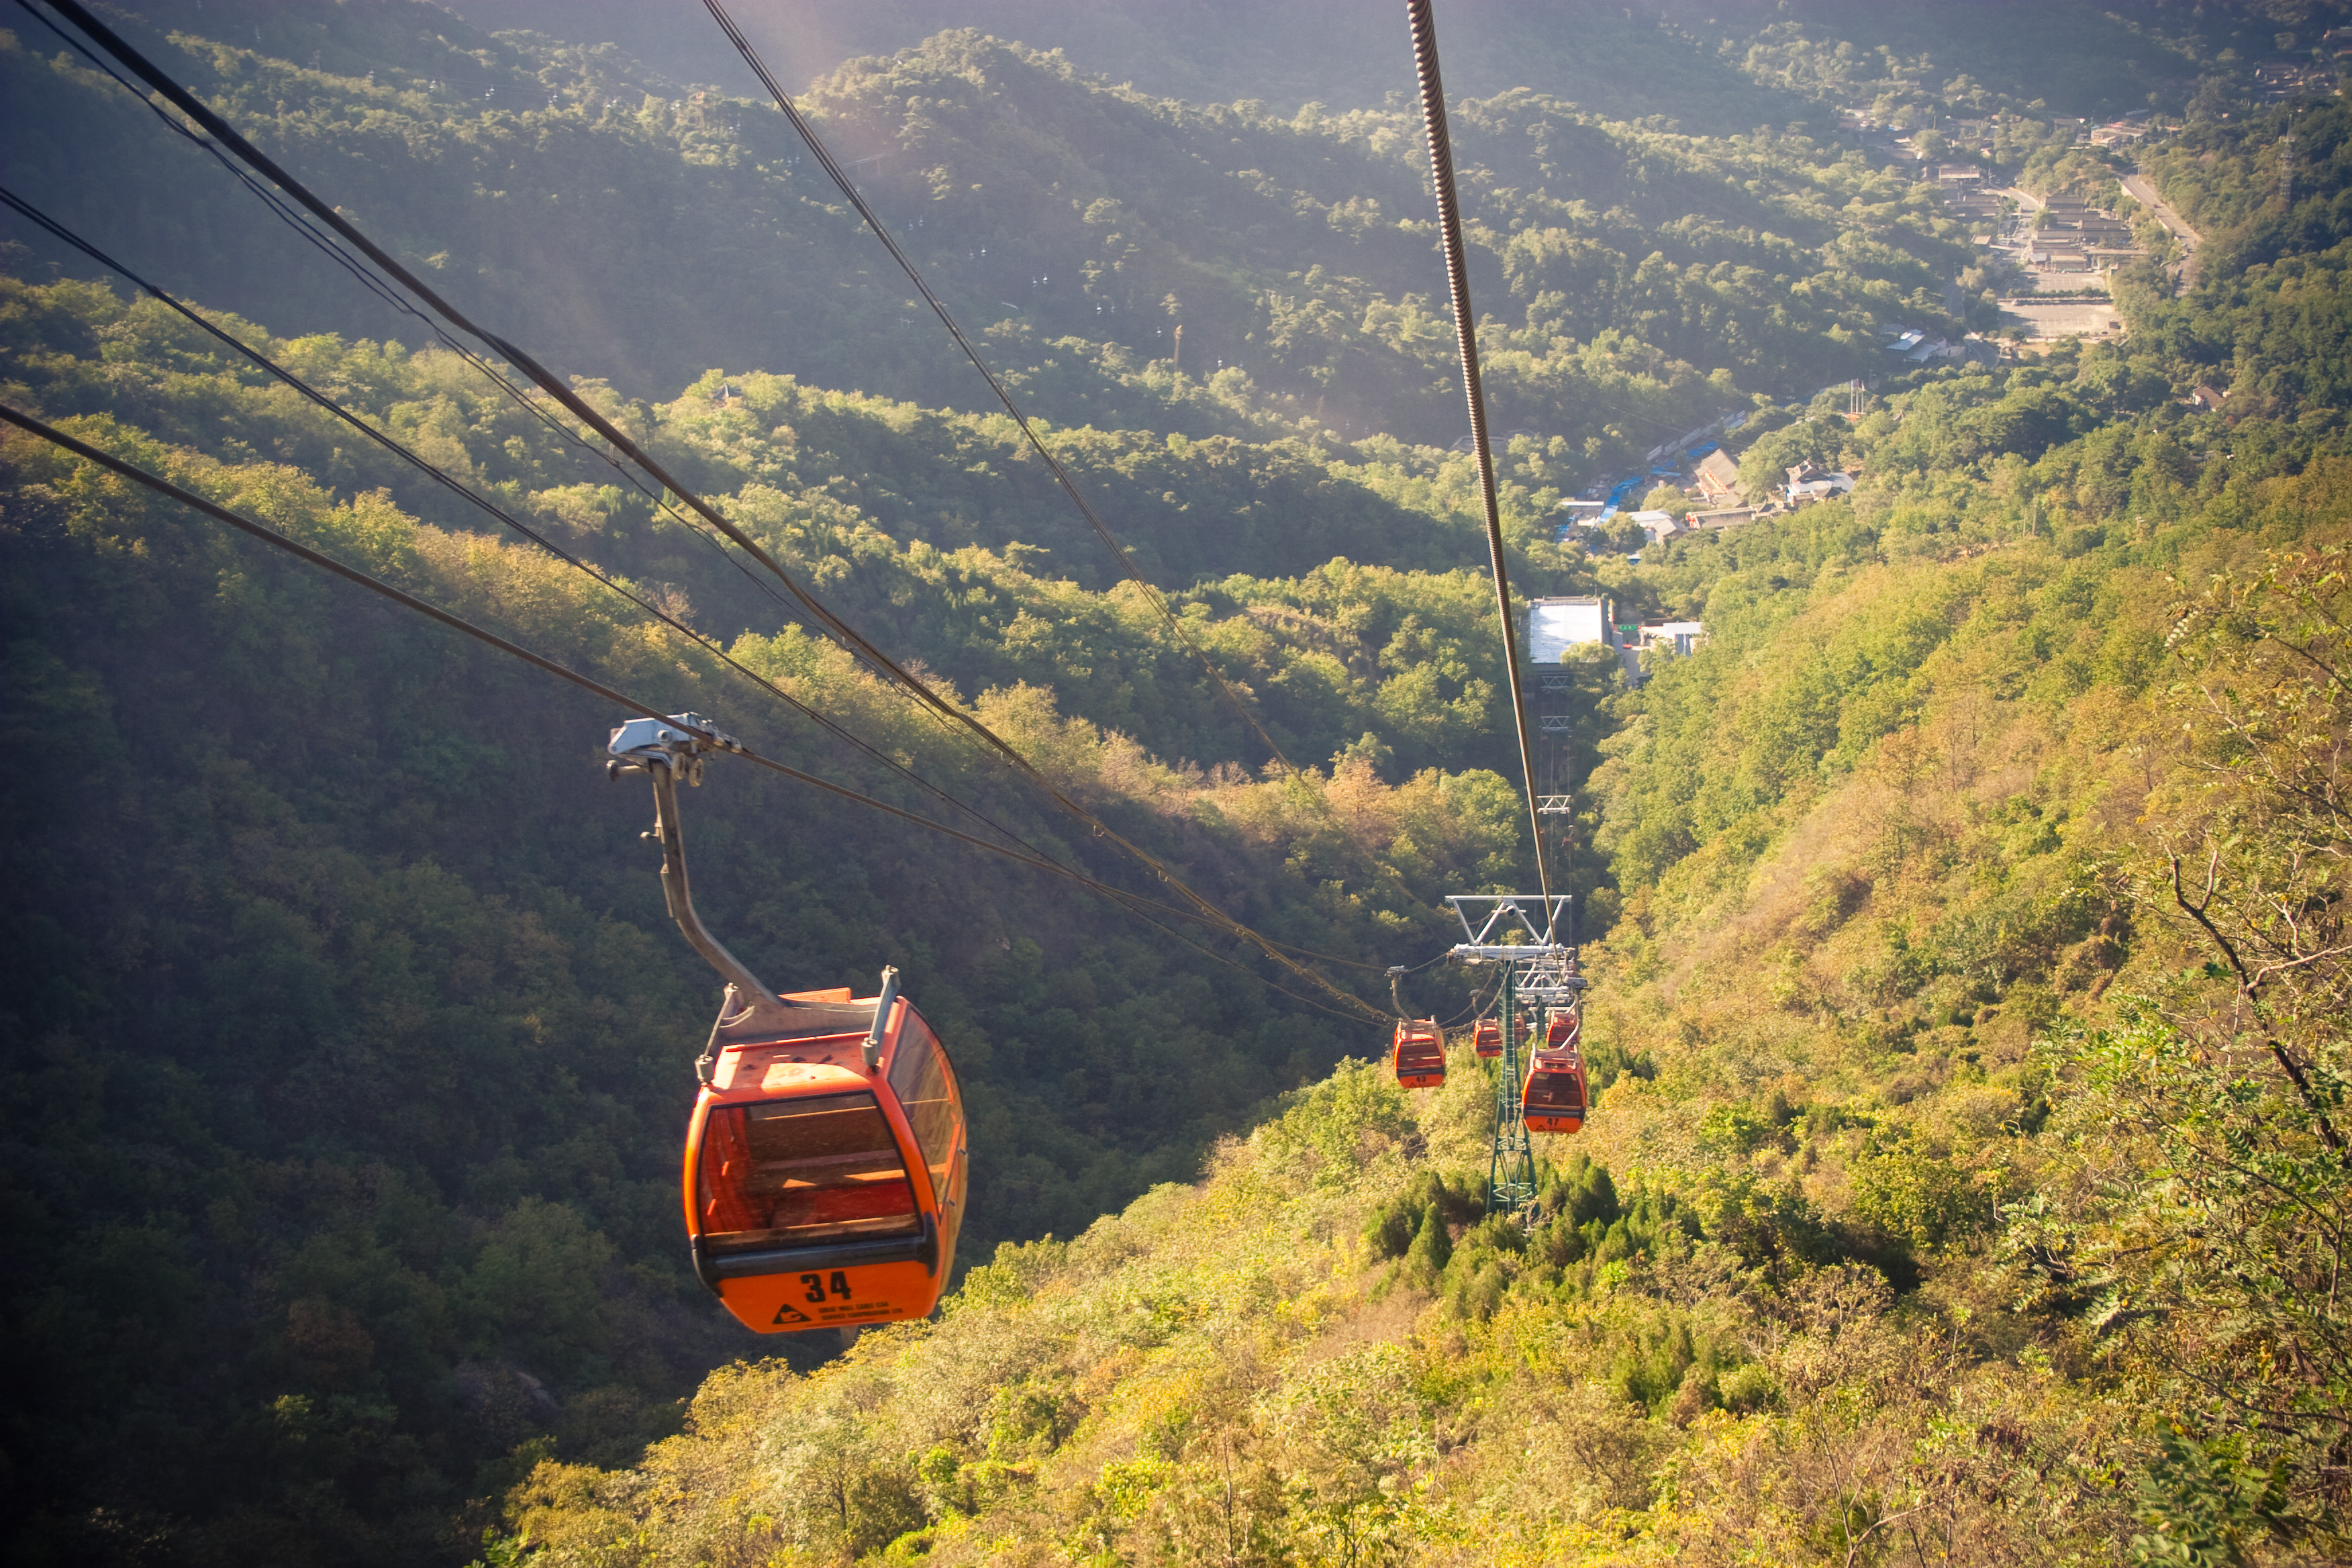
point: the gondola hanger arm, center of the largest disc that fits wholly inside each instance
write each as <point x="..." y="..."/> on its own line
<point x="665" y="751"/>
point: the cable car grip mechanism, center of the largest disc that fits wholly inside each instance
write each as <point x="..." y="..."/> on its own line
<point x="665" y="751"/>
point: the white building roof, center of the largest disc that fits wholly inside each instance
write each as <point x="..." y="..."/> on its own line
<point x="1554" y="626"/>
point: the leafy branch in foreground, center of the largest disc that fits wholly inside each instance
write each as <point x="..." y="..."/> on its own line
<point x="2212" y="1266"/>
<point x="2268" y="716"/>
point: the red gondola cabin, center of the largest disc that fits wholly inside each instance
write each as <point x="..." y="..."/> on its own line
<point x="821" y="1193"/>
<point x="1419" y="1056"/>
<point x="1553" y="1099"/>
<point x="825" y="1158"/>
<point x="1488" y="1037"/>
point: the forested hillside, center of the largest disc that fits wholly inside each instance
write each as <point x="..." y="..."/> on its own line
<point x="1638" y="282"/>
<point x="1946" y="1207"/>
<point x="1966" y="912"/>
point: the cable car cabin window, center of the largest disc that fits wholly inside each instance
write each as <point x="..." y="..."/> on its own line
<point x="925" y="1085"/>
<point x="1555" y="1088"/>
<point x="802" y="1171"/>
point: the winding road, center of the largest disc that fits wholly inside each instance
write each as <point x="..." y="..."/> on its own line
<point x="2174" y="224"/>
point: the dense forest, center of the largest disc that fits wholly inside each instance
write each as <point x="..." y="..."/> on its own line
<point x="1967" y="913"/>
<point x="1640" y="281"/>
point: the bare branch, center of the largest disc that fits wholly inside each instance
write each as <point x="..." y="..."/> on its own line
<point x="2197" y="912"/>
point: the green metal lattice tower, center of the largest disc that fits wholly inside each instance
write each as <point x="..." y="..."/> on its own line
<point x="1519" y="932"/>
<point x="1511" y="1167"/>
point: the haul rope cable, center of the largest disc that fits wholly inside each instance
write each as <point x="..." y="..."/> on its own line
<point x="660" y="499"/>
<point x="841" y="630"/>
<point x="188" y="104"/>
<point x="824" y="156"/>
<point x="448" y="481"/>
<point x="662" y="505"/>
<point x="327" y="244"/>
<point x="1132" y="902"/>
<point x="1478" y="1004"/>
<point x="334" y="252"/>
<point x="1457" y="272"/>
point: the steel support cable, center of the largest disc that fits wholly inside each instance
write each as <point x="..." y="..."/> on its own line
<point x="1478" y="1004"/>
<point x="1396" y="995"/>
<point x="840" y="178"/>
<point x="1465" y="332"/>
<point x="1134" y="903"/>
<point x="449" y="482"/>
<point x="848" y="635"/>
<point x="661" y="498"/>
<point x="327" y="246"/>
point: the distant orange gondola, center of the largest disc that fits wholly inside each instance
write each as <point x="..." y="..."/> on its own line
<point x="1419" y="1056"/>
<point x="1488" y="1037"/>
<point x="1553" y="1099"/>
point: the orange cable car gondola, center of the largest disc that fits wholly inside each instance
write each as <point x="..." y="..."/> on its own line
<point x="1419" y="1052"/>
<point x="826" y="1161"/>
<point x="1553" y="1098"/>
<point x="1488" y="1038"/>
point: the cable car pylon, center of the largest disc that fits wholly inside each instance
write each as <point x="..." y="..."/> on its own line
<point x="1543" y="984"/>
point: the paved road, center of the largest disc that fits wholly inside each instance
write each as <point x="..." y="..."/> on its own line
<point x="2174" y="224"/>
<point x="2019" y="222"/>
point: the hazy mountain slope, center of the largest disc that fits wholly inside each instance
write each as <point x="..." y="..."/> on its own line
<point x="643" y="239"/>
<point x="1105" y="214"/>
